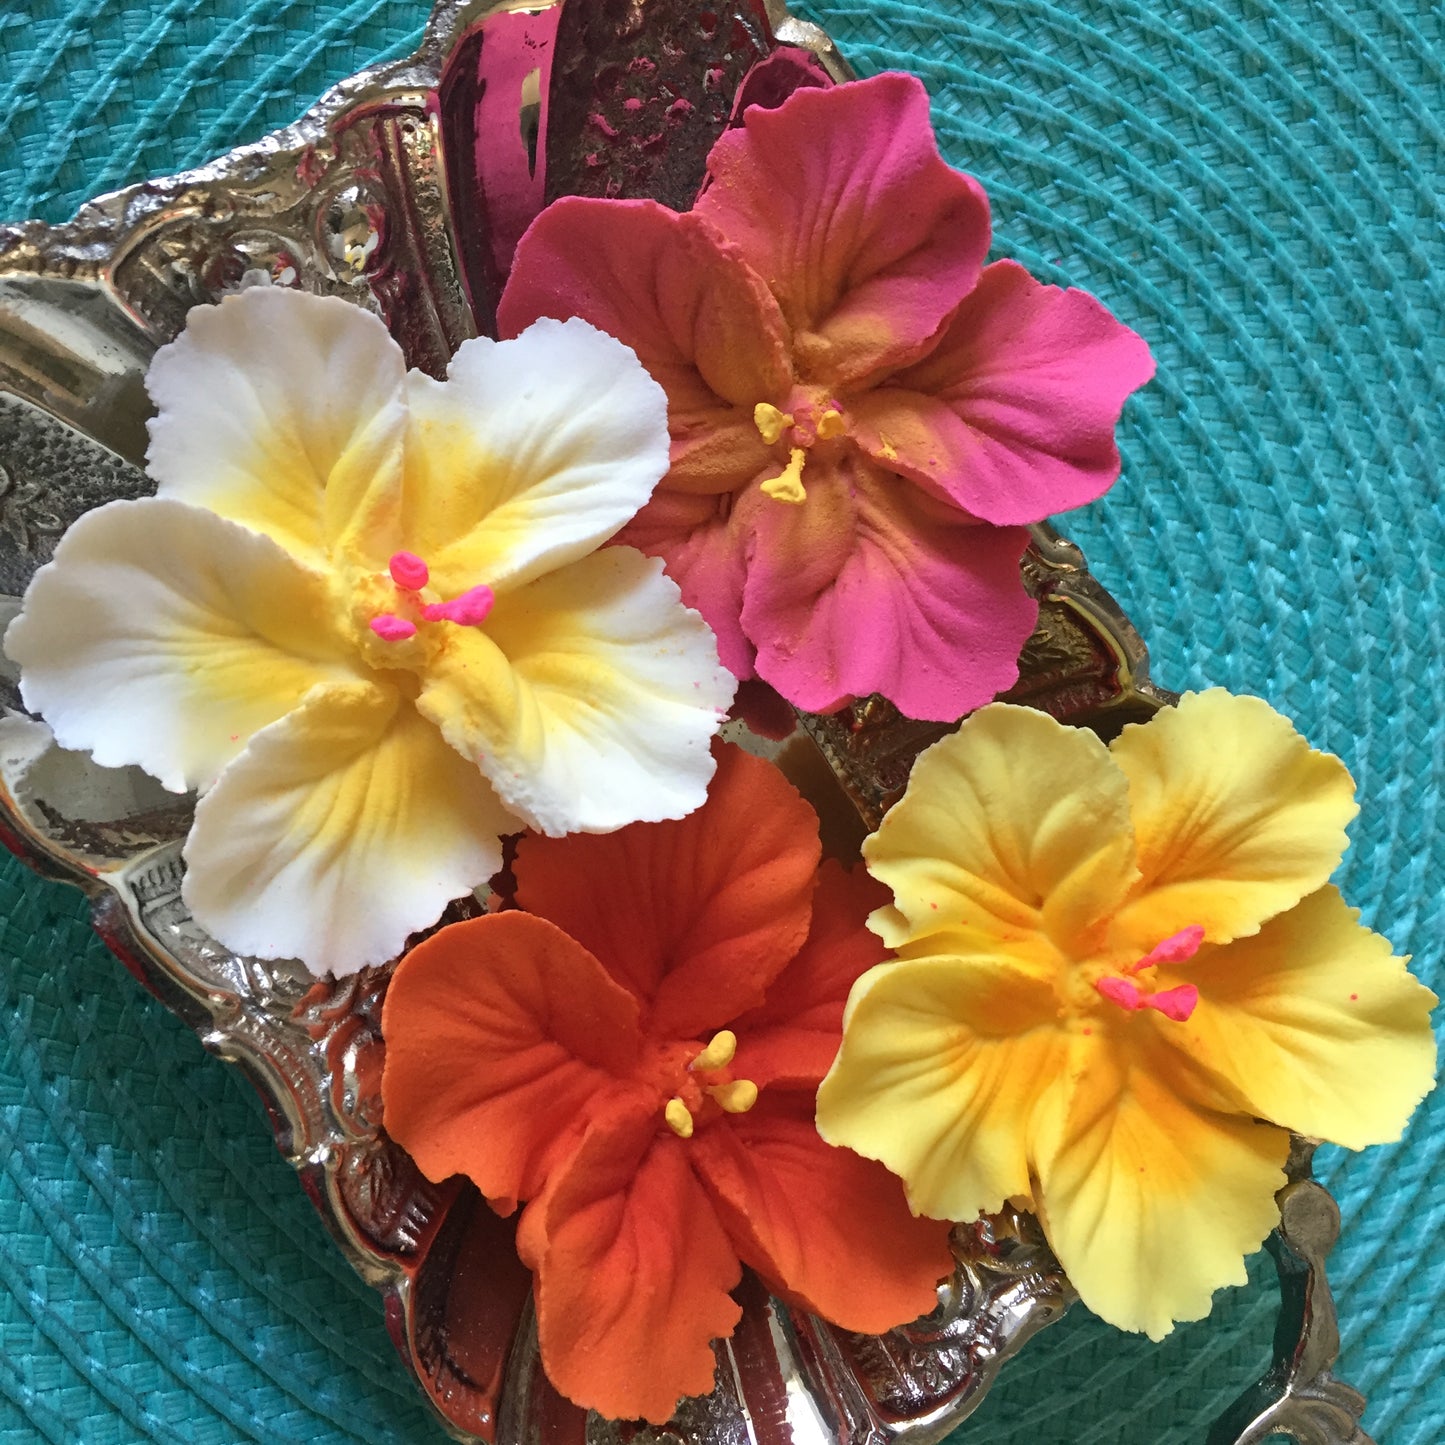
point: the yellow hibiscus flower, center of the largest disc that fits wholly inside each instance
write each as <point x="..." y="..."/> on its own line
<point x="1122" y="980"/>
<point x="372" y="618"/>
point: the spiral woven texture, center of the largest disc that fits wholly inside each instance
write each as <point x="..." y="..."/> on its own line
<point x="1252" y="186"/>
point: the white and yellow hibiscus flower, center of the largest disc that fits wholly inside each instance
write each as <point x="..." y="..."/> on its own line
<point x="371" y="617"/>
<point x="1122" y="980"/>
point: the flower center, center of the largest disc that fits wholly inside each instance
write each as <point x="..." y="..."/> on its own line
<point x="1177" y="1003"/>
<point x="710" y="1082"/>
<point x="811" y="420"/>
<point x="410" y="574"/>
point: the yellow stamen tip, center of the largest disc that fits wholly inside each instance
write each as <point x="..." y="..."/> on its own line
<point x="770" y="422"/>
<point x="737" y="1097"/>
<point x="719" y="1053"/>
<point x="788" y="487"/>
<point x="831" y="424"/>
<point x="679" y="1119"/>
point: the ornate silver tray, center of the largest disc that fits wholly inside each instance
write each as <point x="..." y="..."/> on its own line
<point x="380" y="194"/>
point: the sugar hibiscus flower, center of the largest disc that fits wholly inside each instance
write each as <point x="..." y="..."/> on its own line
<point x="637" y="1056"/>
<point x="367" y="616"/>
<point x="863" y="415"/>
<point x="1123" y="979"/>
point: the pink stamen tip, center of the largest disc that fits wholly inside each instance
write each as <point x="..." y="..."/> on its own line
<point x="471" y="609"/>
<point x="408" y="571"/>
<point x="1175" y="1003"/>
<point x="1121" y="991"/>
<point x="1177" y="948"/>
<point x="392" y="629"/>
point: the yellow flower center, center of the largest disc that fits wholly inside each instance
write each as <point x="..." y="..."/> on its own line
<point x="1126" y="989"/>
<point x="811" y="420"/>
<point x="732" y="1096"/>
<point x="395" y="610"/>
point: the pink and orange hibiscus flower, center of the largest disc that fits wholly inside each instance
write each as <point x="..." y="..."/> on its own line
<point x="863" y="415"/>
<point x="636" y="1057"/>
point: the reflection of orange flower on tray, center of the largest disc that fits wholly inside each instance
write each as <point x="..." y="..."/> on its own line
<point x="863" y="414"/>
<point x="1123" y="977"/>
<point x="636" y="1056"/>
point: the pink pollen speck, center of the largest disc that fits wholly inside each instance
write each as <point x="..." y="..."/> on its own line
<point x="408" y="571"/>
<point x="1354" y="998"/>
<point x="392" y="629"/>
<point x="1175" y="1003"/>
<point x="471" y="609"/>
<point x="1121" y="991"/>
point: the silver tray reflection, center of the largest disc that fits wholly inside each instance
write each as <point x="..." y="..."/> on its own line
<point x="379" y="195"/>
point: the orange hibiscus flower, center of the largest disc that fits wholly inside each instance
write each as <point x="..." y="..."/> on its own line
<point x="636" y="1055"/>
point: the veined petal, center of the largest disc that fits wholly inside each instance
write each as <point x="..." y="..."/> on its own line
<point x="829" y="1231"/>
<point x="283" y="412"/>
<point x="164" y="636"/>
<point x="531" y="454"/>
<point x="695" y="917"/>
<point x="840" y="199"/>
<point x="706" y="555"/>
<point x="1226" y="847"/>
<point x="590" y="698"/>
<point x="682" y="297"/>
<point x="1150" y="1200"/>
<point x="947" y="1071"/>
<point x="794" y="1036"/>
<point x="503" y="1036"/>
<point x="341" y="830"/>
<point x="1313" y="1024"/>
<point x="872" y="586"/>
<point x="1012" y="413"/>
<point x="1013" y="826"/>
<point x="633" y="1285"/>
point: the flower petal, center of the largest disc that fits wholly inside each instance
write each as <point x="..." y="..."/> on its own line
<point x="698" y="317"/>
<point x="1151" y="1201"/>
<point x="633" y="1285"/>
<point x="872" y="586"/>
<point x="948" y="1065"/>
<point x="695" y="917"/>
<point x="706" y="555"/>
<point x="1313" y="1024"/>
<point x="829" y="1231"/>
<point x="1013" y="826"/>
<point x="1012" y="413"/>
<point x="840" y="199"/>
<point x="342" y="829"/>
<point x="530" y="455"/>
<point x="590" y="698"/>
<point x="283" y="412"/>
<point x="1227" y="848"/>
<point x="794" y="1035"/>
<point x="502" y="1035"/>
<point x="164" y="636"/>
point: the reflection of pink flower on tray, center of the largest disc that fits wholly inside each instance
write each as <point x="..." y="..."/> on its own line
<point x="636" y="1056"/>
<point x="863" y="415"/>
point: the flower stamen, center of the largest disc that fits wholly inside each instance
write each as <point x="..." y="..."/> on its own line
<point x="1177" y="948"/>
<point x="679" y="1118"/>
<point x="408" y="571"/>
<point x="735" y="1098"/>
<point x="471" y="609"/>
<point x="391" y="628"/>
<point x="718" y="1054"/>
<point x="787" y="486"/>
<point x="770" y="421"/>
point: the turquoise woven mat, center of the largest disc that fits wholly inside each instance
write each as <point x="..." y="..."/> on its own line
<point x="1247" y="183"/>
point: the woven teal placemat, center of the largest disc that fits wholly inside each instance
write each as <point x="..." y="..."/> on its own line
<point x="1252" y="186"/>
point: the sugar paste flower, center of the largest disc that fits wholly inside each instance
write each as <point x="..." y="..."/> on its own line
<point x="366" y="615"/>
<point x="1123" y="979"/>
<point x="637" y="1055"/>
<point x="863" y="415"/>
